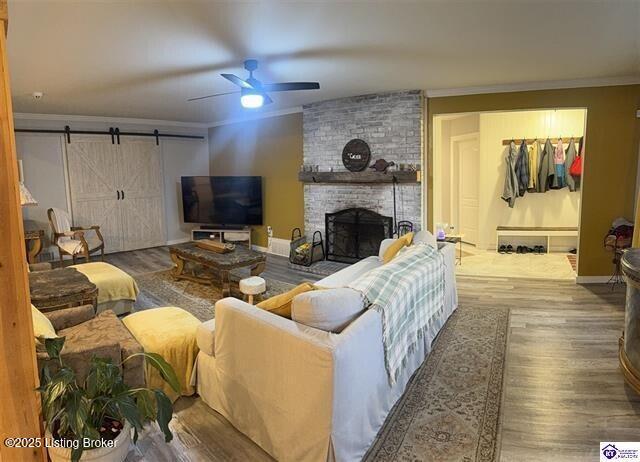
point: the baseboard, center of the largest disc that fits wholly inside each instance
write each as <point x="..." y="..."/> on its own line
<point x="592" y="279"/>
<point x="182" y="240"/>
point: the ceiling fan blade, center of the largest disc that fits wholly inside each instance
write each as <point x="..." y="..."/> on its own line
<point x="290" y="86"/>
<point x="237" y="81"/>
<point x="211" y="96"/>
<point x="267" y="100"/>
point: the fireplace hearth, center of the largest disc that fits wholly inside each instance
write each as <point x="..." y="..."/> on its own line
<point x="355" y="233"/>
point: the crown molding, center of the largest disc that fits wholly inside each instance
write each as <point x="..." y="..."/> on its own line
<point x="111" y="120"/>
<point x="257" y="116"/>
<point x="533" y="86"/>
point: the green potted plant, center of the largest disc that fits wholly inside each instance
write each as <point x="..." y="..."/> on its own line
<point x="93" y="419"/>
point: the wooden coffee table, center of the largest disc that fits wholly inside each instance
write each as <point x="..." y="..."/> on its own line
<point x="61" y="288"/>
<point x="220" y="263"/>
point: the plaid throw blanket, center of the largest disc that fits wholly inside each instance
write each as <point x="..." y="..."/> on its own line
<point x="409" y="294"/>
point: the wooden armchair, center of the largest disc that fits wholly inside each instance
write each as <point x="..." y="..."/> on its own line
<point x="74" y="240"/>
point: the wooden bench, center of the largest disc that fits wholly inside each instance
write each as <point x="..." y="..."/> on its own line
<point x="533" y="231"/>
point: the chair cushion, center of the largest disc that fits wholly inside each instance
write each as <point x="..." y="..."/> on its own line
<point x="42" y="327"/>
<point x="281" y="304"/>
<point x="106" y="328"/>
<point x="206" y="337"/>
<point x="331" y="309"/>
<point x="170" y="332"/>
<point x="112" y="283"/>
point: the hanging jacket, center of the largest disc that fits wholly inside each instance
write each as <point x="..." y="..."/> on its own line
<point x="558" y="161"/>
<point x="546" y="168"/>
<point x="510" y="190"/>
<point x="571" y="181"/>
<point x="534" y="152"/>
<point x="522" y="168"/>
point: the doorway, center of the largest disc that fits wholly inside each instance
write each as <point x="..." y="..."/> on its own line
<point x="538" y="236"/>
<point x="465" y="197"/>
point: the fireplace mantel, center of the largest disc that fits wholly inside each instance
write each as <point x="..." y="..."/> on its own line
<point x="360" y="177"/>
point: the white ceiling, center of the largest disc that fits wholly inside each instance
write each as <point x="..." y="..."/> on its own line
<point x="144" y="59"/>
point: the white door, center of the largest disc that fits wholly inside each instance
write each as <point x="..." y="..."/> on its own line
<point x="142" y="205"/>
<point x="93" y="183"/>
<point x="468" y="188"/>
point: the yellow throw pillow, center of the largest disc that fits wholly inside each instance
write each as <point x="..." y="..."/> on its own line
<point x="42" y="327"/>
<point x="392" y="250"/>
<point x="408" y="238"/>
<point x="281" y="304"/>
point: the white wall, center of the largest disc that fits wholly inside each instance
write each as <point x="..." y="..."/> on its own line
<point x="44" y="170"/>
<point x="553" y="208"/>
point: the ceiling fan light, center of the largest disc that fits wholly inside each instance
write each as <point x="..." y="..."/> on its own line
<point x="251" y="100"/>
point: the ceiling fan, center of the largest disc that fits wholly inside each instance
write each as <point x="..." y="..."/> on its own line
<point x="253" y="93"/>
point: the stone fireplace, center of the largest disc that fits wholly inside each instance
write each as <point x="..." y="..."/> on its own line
<point x="391" y="124"/>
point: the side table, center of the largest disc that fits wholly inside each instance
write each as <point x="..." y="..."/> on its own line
<point x="61" y="288"/>
<point x="33" y="243"/>
<point x="455" y="239"/>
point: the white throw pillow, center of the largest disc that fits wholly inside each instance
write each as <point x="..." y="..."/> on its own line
<point x="330" y="310"/>
<point x="425" y="237"/>
<point x="206" y="337"/>
<point x="384" y="245"/>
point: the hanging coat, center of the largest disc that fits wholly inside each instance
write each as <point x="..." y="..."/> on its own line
<point x="510" y="191"/>
<point x="546" y="169"/>
<point x="558" y="161"/>
<point x="572" y="182"/>
<point x="534" y="152"/>
<point x="522" y="168"/>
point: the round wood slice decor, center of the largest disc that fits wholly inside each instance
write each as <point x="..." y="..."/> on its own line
<point x="356" y="155"/>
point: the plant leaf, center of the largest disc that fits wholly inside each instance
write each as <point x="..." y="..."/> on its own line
<point x="77" y="410"/>
<point x="165" y="412"/>
<point x="127" y="408"/>
<point x="76" y="453"/>
<point x="163" y="367"/>
<point x="54" y="346"/>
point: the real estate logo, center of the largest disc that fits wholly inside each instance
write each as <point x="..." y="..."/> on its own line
<point x="619" y="451"/>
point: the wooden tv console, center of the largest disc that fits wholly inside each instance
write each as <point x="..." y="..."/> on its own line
<point x="241" y="235"/>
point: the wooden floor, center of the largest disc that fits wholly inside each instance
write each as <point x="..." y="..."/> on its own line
<point x="563" y="391"/>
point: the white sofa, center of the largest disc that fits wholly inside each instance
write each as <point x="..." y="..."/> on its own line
<point x="301" y="393"/>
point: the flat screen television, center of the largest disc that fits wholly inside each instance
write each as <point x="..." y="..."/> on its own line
<point x="222" y="200"/>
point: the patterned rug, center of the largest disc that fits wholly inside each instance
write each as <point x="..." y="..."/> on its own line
<point x="450" y="410"/>
<point x="160" y="289"/>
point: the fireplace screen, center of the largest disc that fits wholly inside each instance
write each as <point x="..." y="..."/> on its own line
<point x="354" y="234"/>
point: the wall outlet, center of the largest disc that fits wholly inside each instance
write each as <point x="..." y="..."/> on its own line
<point x="269" y="231"/>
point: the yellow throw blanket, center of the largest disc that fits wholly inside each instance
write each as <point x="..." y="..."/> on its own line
<point x="170" y="332"/>
<point x="113" y="283"/>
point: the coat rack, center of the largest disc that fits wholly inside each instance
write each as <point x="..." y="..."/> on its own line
<point x="518" y="141"/>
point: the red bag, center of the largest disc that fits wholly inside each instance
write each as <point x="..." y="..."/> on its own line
<point x="576" y="166"/>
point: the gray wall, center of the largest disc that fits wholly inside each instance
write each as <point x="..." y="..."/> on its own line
<point x="44" y="173"/>
<point x="391" y="123"/>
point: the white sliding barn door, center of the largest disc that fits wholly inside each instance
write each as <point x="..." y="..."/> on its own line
<point x="143" y="223"/>
<point x="93" y="182"/>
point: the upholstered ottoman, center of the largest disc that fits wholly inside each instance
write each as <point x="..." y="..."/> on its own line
<point x="170" y="332"/>
<point x="117" y="291"/>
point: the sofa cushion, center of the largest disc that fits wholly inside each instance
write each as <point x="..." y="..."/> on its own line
<point x="206" y="337"/>
<point x="407" y="238"/>
<point x="330" y="310"/>
<point x="350" y="273"/>
<point x="281" y="304"/>
<point x="425" y="237"/>
<point x="42" y="327"/>
<point x="393" y="249"/>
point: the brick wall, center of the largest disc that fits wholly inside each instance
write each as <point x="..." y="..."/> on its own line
<point x="391" y="123"/>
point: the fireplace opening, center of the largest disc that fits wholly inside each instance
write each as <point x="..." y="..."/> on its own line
<point x="356" y="233"/>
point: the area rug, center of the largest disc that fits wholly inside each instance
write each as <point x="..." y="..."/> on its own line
<point x="160" y="289"/>
<point x="450" y="410"/>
